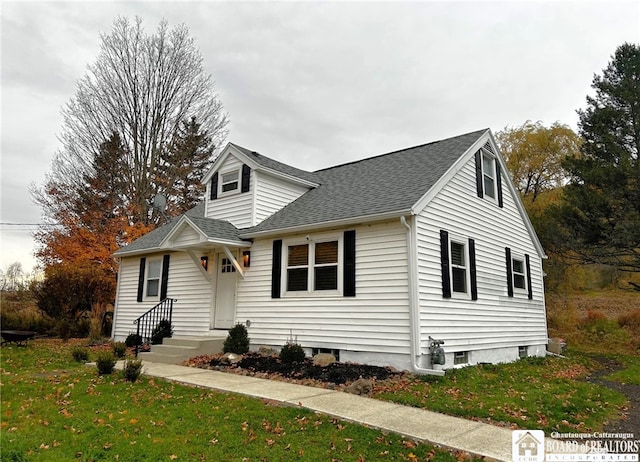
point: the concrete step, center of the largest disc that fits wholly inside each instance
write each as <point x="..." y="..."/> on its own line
<point x="177" y="349"/>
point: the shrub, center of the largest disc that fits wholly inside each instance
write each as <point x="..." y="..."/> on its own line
<point x="119" y="349"/>
<point x="105" y="362"/>
<point x="237" y="341"/>
<point x="133" y="340"/>
<point x="292" y="353"/>
<point x="631" y="320"/>
<point x="132" y="369"/>
<point x="161" y="331"/>
<point x="80" y="354"/>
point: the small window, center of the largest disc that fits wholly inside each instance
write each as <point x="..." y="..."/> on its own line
<point x="230" y="181"/>
<point x="226" y="266"/>
<point x="519" y="277"/>
<point x="461" y="357"/>
<point x="489" y="175"/>
<point x="458" y="267"/>
<point x="523" y="352"/>
<point x="331" y="351"/>
<point x="154" y="269"/>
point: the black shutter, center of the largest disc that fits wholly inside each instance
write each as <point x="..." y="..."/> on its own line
<point x="143" y="261"/>
<point x="246" y="178"/>
<point x="507" y="252"/>
<point x="276" y="269"/>
<point x="499" y="183"/>
<point x="529" y="287"/>
<point x="349" y="271"/>
<point x="214" y="187"/>
<point x="479" y="174"/>
<point x="165" y="276"/>
<point x="472" y="269"/>
<point x="444" y="263"/>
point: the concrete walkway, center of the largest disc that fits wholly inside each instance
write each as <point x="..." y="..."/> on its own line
<point x="438" y="429"/>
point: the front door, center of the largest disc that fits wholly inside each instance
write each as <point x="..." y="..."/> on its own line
<point x="225" y="309"/>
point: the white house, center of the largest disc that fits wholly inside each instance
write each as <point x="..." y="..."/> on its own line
<point x="368" y="259"/>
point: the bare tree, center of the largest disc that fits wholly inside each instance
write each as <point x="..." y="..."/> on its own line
<point x="142" y="87"/>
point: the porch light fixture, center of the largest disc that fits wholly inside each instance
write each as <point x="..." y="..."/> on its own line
<point x="246" y="258"/>
<point x="204" y="260"/>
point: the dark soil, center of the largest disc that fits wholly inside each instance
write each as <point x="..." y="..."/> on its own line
<point x="630" y="422"/>
<point x="336" y="373"/>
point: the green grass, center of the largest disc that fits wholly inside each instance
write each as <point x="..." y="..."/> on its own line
<point x="536" y="393"/>
<point x="630" y="373"/>
<point x="54" y="408"/>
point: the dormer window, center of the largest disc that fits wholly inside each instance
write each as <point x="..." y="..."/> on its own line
<point x="489" y="175"/>
<point x="230" y="181"/>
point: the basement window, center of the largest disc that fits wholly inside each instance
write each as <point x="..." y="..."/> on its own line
<point x="331" y="351"/>
<point x="461" y="357"/>
<point x="523" y="352"/>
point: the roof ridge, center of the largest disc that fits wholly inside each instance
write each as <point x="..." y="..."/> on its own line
<point x="399" y="150"/>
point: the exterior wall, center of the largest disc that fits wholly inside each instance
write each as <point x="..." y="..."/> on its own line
<point x="272" y="194"/>
<point x="495" y="320"/>
<point x="186" y="284"/>
<point x="186" y="236"/>
<point x="376" y="320"/>
<point x="235" y="207"/>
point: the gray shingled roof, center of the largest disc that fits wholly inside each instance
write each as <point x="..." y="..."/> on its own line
<point x="278" y="166"/>
<point x="378" y="185"/>
<point x="214" y="229"/>
<point x="384" y="184"/>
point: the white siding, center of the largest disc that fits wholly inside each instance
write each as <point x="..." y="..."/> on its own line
<point x="235" y="207"/>
<point x="186" y="284"/>
<point x="375" y="320"/>
<point x="185" y="236"/>
<point x="272" y="194"/>
<point x="495" y="320"/>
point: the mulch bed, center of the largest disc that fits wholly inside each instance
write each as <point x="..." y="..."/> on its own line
<point x="260" y="365"/>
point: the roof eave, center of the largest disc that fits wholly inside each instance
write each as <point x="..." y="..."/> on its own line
<point x="327" y="224"/>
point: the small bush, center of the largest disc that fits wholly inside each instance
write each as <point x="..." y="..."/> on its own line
<point x="237" y="341"/>
<point x="292" y="353"/>
<point x="119" y="349"/>
<point x="631" y="320"/>
<point x="80" y="354"/>
<point x="161" y="331"/>
<point x="105" y="362"/>
<point x="132" y="369"/>
<point x="133" y="340"/>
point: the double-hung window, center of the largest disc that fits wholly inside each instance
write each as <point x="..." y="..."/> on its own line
<point x="489" y="175"/>
<point x="519" y="274"/>
<point x="458" y="263"/>
<point x="154" y="271"/>
<point x="312" y="266"/>
<point x="458" y="267"/>
<point x="230" y="181"/>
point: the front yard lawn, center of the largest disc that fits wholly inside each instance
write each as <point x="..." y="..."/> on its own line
<point x="56" y="409"/>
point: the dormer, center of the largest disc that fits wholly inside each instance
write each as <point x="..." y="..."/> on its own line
<point x="245" y="187"/>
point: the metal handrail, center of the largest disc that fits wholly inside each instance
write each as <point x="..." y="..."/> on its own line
<point x="149" y="320"/>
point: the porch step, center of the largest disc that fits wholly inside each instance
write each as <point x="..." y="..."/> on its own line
<point x="177" y="349"/>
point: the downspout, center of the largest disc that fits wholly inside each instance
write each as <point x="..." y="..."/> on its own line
<point x="414" y="308"/>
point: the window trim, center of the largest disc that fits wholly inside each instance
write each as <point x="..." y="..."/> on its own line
<point x="460" y="358"/>
<point x="311" y="266"/>
<point x="149" y="263"/>
<point x="521" y="259"/>
<point x="222" y="183"/>
<point x="467" y="267"/>
<point x="493" y="197"/>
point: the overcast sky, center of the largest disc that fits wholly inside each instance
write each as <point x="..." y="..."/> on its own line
<point x="314" y="84"/>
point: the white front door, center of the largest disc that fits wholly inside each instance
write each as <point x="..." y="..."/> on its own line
<point x="225" y="309"/>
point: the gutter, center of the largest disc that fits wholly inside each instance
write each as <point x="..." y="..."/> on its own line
<point x="414" y="308"/>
